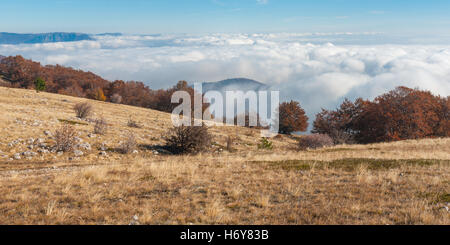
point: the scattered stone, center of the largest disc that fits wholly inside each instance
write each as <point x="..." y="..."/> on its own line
<point x="17" y="156"/>
<point x="78" y="153"/>
<point x="135" y="220"/>
<point x="29" y="154"/>
<point x="85" y="146"/>
<point x="43" y="151"/>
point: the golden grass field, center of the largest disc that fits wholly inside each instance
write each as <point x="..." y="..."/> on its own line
<point x="404" y="182"/>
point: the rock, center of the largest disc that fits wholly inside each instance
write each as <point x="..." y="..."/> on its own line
<point x="135" y="220"/>
<point x="85" y="146"/>
<point x="43" y="151"/>
<point x="92" y="135"/>
<point x="29" y="154"/>
<point x="135" y="152"/>
<point x="17" y="156"/>
<point x="30" y="147"/>
<point x="30" y="141"/>
<point x="103" y="153"/>
<point x="59" y="153"/>
<point x="47" y="133"/>
<point x="40" y="141"/>
<point x="78" y="153"/>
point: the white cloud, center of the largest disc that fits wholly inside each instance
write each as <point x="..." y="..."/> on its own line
<point x="306" y="67"/>
<point x="262" y="1"/>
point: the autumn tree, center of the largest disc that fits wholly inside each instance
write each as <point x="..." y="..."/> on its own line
<point x="400" y="114"/>
<point x="292" y="118"/>
<point x="338" y="124"/>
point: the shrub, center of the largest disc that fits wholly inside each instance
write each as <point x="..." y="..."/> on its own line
<point x="129" y="145"/>
<point x="39" y="84"/>
<point x="65" y="138"/>
<point x="265" y="144"/>
<point x="314" y="141"/>
<point x="188" y="139"/>
<point x="101" y="126"/>
<point x="229" y="144"/>
<point x="133" y="124"/>
<point x="116" y="98"/>
<point x="83" y="109"/>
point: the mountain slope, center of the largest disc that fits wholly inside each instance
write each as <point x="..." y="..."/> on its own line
<point x="16" y="38"/>
<point x="367" y="184"/>
<point x="243" y="84"/>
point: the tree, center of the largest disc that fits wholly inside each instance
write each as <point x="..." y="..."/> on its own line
<point x="292" y="118"/>
<point x="39" y="84"/>
<point x="400" y="114"/>
<point x="338" y="124"/>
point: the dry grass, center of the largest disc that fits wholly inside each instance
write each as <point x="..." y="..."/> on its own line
<point x="391" y="183"/>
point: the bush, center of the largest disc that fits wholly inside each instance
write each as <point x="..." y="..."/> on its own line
<point x="116" y="98"/>
<point x="314" y="141"/>
<point x="188" y="139"/>
<point x="230" y="144"/>
<point x="65" y="138"/>
<point x="265" y="144"/>
<point x="83" y="109"/>
<point x="133" y="124"/>
<point x="101" y="126"/>
<point x="39" y="84"/>
<point x="129" y="145"/>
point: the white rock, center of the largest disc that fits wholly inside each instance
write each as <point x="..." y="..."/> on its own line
<point x="17" y="156"/>
<point x="78" y="153"/>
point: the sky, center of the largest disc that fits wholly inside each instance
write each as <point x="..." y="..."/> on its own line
<point x="229" y="16"/>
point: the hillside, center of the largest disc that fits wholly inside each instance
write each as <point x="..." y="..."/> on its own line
<point x="31" y="38"/>
<point x="404" y="182"/>
<point x="242" y="84"/>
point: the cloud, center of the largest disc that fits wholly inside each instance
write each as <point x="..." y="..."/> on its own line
<point x="313" y="68"/>
<point x="262" y="1"/>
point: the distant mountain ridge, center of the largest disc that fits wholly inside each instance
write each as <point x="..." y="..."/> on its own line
<point x="233" y="84"/>
<point x="16" y="38"/>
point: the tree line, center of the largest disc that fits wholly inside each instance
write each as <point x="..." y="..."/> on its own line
<point x="400" y="114"/>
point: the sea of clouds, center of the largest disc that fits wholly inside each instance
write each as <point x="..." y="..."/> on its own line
<point x="317" y="69"/>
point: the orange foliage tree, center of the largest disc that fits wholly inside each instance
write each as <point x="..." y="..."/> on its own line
<point x="292" y="118"/>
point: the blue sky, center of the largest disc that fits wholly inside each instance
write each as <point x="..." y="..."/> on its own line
<point x="210" y="16"/>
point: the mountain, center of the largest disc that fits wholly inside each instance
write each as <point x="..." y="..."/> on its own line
<point x="2" y="57"/>
<point x="16" y="38"/>
<point x="243" y="84"/>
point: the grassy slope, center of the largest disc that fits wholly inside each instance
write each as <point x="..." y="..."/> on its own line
<point x="388" y="183"/>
